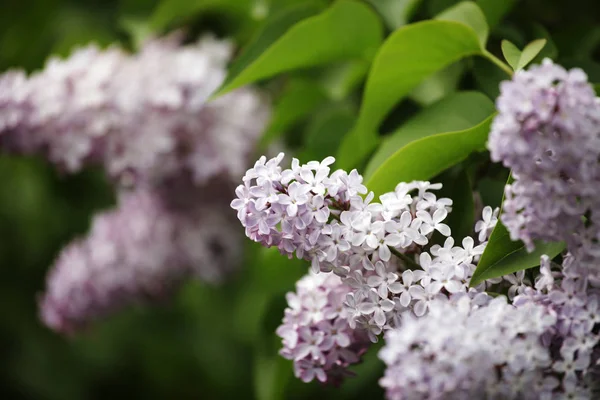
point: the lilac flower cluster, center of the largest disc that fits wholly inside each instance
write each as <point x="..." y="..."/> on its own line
<point x="172" y="154"/>
<point x="548" y="132"/>
<point x="469" y="348"/>
<point x="571" y="294"/>
<point x="315" y="330"/>
<point x="145" y="117"/>
<point x="443" y="339"/>
<point x="323" y="218"/>
<point x="543" y="346"/>
<point x="140" y="251"/>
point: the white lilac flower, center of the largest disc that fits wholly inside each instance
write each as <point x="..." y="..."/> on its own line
<point x="488" y="221"/>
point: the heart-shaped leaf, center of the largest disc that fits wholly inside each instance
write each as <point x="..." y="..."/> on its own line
<point x="518" y="59"/>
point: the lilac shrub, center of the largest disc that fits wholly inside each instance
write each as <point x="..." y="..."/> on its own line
<point x="375" y="271"/>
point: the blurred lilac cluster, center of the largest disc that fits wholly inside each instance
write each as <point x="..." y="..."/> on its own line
<point x="146" y="119"/>
<point x="548" y="132"/>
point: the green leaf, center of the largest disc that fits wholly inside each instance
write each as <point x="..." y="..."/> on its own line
<point x="469" y="14"/>
<point x="274" y="28"/>
<point x="301" y="97"/>
<point x="531" y="51"/>
<point x="455" y="112"/>
<point x="407" y="57"/>
<point x="503" y="256"/>
<point x="324" y="38"/>
<point x="438" y="85"/>
<point x="511" y="53"/>
<point x="340" y="80"/>
<point x="427" y="157"/>
<point x="495" y="10"/>
<point x="269" y="274"/>
<point x="491" y="191"/>
<point x="488" y="77"/>
<point x="137" y="29"/>
<point x="326" y="131"/>
<point x="550" y="50"/>
<point x="434" y="7"/>
<point x="516" y="58"/>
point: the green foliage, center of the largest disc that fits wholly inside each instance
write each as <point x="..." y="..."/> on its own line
<point x="518" y="59"/>
<point x="318" y="40"/>
<point x="408" y="56"/>
<point x="469" y="14"/>
<point x="456" y="112"/>
<point x="325" y="132"/>
<point x="425" y="158"/>
<point x="503" y="256"/>
<point x="495" y="10"/>
<point x="396" y="13"/>
<point x="458" y="187"/>
<point x="169" y="12"/>
<point x="300" y="97"/>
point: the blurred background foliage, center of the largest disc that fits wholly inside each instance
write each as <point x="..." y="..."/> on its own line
<point x="213" y="342"/>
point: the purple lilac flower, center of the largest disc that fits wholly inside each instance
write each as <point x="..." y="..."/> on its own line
<point x="140" y="251"/>
<point x="548" y="132"/>
<point x="315" y="330"/>
<point x="145" y="117"/>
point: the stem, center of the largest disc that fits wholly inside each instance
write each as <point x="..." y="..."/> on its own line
<point x="404" y="258"/>
<point x="499" y="63"/>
